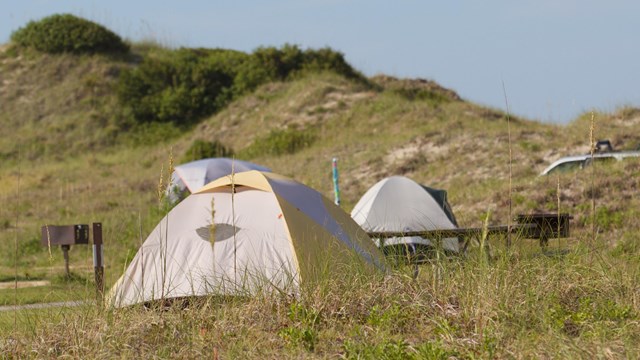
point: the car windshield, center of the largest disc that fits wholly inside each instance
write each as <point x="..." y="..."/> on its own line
<point x="566" y="166"/>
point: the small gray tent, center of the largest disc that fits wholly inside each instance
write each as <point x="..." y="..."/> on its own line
<point x="397" y="204"/>
<point x="189" y="177"/>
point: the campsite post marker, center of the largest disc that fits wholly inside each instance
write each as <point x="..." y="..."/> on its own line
<point x="98" y="265"/>
<point x="336" y="189"/>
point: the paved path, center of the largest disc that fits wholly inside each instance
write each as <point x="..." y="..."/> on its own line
<point x="43" y="305"/>
<point x="23" y="284"/>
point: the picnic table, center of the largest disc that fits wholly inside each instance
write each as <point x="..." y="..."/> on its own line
<point x="540" y="226"/>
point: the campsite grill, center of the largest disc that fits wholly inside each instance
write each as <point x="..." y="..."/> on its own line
<point x="65" y="236"/>
<point x="547" y="225"/>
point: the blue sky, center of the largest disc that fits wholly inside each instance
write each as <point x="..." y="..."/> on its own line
<point x="556" y="58"/>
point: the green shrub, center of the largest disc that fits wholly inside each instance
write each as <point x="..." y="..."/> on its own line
<point x="181" y="87"/>
<point x="68" y="33"/>
<point x="279" y="142"/>
<point x="327" y="59"/>
<point x="201" y="149"/>
<point x="272" y="64"/>
<point x="184" y="85"/>
<point x="267" y="64"/>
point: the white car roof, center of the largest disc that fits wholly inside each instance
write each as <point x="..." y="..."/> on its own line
<point x="618" y="155"/>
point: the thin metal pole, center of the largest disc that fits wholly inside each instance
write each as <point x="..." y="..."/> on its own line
<point x="98" y="263"/>
<point x="65" y="253"/>
<point x="336" y="187"/>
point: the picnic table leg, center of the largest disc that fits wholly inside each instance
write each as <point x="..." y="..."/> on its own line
<point x="465" y="243"/>
<point x="416" y="267"/>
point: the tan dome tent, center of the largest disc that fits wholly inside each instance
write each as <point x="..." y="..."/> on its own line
<point x="189" y="177"/>
<point x="397" y="204"/>
<point x="272" y="232"/>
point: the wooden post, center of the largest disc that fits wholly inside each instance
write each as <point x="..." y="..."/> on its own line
<point x="98" y="264"/>
<point x="65" y="253"/>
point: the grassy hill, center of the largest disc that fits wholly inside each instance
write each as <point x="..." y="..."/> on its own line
<point x="71" y="154"/>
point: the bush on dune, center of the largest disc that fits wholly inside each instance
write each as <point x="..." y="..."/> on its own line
<point x="65" y="33"/>
<point x="181" y="87"/>
<point x="185" y="85"/>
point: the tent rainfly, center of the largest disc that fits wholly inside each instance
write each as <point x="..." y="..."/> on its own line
<point x="397" y="204"/>
<point x="188" y="178"/>
<point x="243" y="234"/>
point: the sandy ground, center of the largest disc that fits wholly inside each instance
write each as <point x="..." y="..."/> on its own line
<point x="42" y="305"/>
<point x="23" y="284"/>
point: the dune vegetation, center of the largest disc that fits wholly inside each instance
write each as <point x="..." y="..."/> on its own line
<point x="91" y="136"/>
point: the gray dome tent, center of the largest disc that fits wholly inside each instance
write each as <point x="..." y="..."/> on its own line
<point x="397" y="204"/>
<point x="189" y="177"/>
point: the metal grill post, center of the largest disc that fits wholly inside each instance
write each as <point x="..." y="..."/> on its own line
<point x="98" y="264"/>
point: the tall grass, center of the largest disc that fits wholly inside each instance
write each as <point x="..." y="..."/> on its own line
<point x="497" y="310"/>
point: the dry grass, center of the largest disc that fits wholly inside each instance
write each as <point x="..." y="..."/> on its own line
<point x="472" y="309"/>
